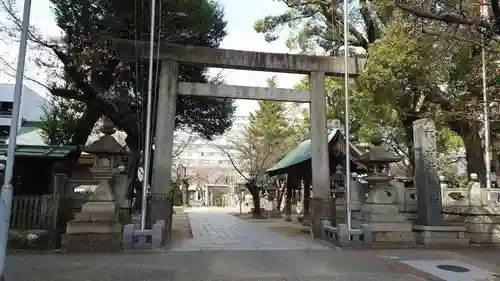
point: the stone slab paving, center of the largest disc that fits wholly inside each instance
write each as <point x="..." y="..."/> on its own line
<point x="221" y="231"/>
<point x="296" y="265"/>
<point x="448" y="265"/>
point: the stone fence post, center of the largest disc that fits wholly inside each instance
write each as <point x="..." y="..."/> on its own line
<point x="475" y="199"/>
<point x="59" y="184"/>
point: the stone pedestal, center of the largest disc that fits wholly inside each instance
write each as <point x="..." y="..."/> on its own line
<point x="483" y="230"/>
<point x="322" y="208"/>
<point x="97" y="227"/>
<point x="384" y="220"/>
<point x="482" y="224"/>
<point x="451" y="236"/>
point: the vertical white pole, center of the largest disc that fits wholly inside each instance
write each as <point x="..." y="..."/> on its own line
<point x="6" y="200"/>
<point x="486" y="122"/>
<point x="149" y="111"/>
<point x="346" y="115"/>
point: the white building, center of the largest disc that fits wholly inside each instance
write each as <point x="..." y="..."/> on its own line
<point x="207" y="163"/>
<point x="30" y="110"/>
<point x="208" y="160"/>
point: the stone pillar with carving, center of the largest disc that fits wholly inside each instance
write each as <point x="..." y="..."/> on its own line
<point x="97" y="227"/>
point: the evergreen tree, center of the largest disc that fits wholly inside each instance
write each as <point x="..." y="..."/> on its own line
<point x="266" y="140"/>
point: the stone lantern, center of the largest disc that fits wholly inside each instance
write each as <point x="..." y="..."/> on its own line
<point x="108" y="155"/>
<point x="379" y="212"/>
<point x="337" y="182"/>
<point x="377" y="159"/>
<point x="97" y="227"/>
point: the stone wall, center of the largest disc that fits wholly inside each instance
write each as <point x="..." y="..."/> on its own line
<point x="476" y="209"/>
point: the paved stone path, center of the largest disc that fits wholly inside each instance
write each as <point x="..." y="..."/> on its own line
<point x="221" y="231"/>
<point x="220" y="252"/>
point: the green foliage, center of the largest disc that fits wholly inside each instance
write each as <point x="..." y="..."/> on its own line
<point x="447" y="140"/>
<point x="314" y="24"/>
<point x="363" y="124"/>
<point x="60" y="120"/>
<point x="268" y="138"/>
<point x="410" y="74"/>
<point x="272" y="82"/>
<point x="94" y="75"/>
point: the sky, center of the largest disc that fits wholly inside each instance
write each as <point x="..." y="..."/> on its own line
<point x="240" y="15"/>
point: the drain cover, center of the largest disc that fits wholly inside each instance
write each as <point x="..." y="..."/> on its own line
<point x="454" y="268"/>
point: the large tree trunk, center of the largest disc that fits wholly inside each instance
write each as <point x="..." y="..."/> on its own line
<point x="132" y="174"/>
<point x="254" y="191"/>
<point x="474" y="151"/>
<point x="256" y="214"/>
<point x="307" y="202"/>
<point x="185" y="194"/>
<point x="288" y="200"/>
<point x="408" y="127"/>
<point x="279" y="197"/>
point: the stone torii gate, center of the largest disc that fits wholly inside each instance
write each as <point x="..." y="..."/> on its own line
<point x="171" y="55"/>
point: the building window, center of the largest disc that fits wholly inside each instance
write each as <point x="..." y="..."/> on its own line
<point x="5" y="108"/>
<point x="4" y="131"/>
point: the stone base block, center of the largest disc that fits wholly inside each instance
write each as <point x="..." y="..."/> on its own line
<point x="378" y="209"/>
<point x="99" y="207"/>
<point x="383" y="217"/>
<point x="440" y="236"/>
<point x="342" y="236"/>
<point x="483" y="230"/>
<point x="387" y="226"/>
<point x="94" y="216"/>
<point x="135" y="238"/>
<point x="484" y="238"/>
<point x="321" y="209"/>
<point x="442" y="242"/>
<point x="406" y="237"/>
<point x="91" y="242"/>
<point x="93" y="227"/>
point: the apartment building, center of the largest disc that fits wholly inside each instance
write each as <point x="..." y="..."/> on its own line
<point x="210" y="158"/>
<point x="30" y="110"/>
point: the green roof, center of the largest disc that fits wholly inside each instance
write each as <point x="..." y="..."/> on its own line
<point x="39" y="150"/>
<point x="302" y="153"/>
<point x="29" y="134"/>
<point x="29" y="142"/>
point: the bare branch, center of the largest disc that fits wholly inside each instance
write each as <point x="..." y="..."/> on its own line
<point x="7" y="64"/>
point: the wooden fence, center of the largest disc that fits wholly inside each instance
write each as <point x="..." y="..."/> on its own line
<point x="34" y="212"/>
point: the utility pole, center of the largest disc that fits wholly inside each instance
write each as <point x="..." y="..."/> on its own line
<point x="7" y="190"/>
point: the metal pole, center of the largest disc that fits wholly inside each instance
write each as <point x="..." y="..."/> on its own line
<point x="486" y="122"/>
<point x="149" y="110"/>
<point x="346" y="115"/>
<point x="6" y="194"/>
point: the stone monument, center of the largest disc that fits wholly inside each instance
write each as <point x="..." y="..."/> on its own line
<point x="379" y="212"/>
<point x="97" y="226"/>
<point x="429" y="229"/>
<point x="426" y="173"/>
